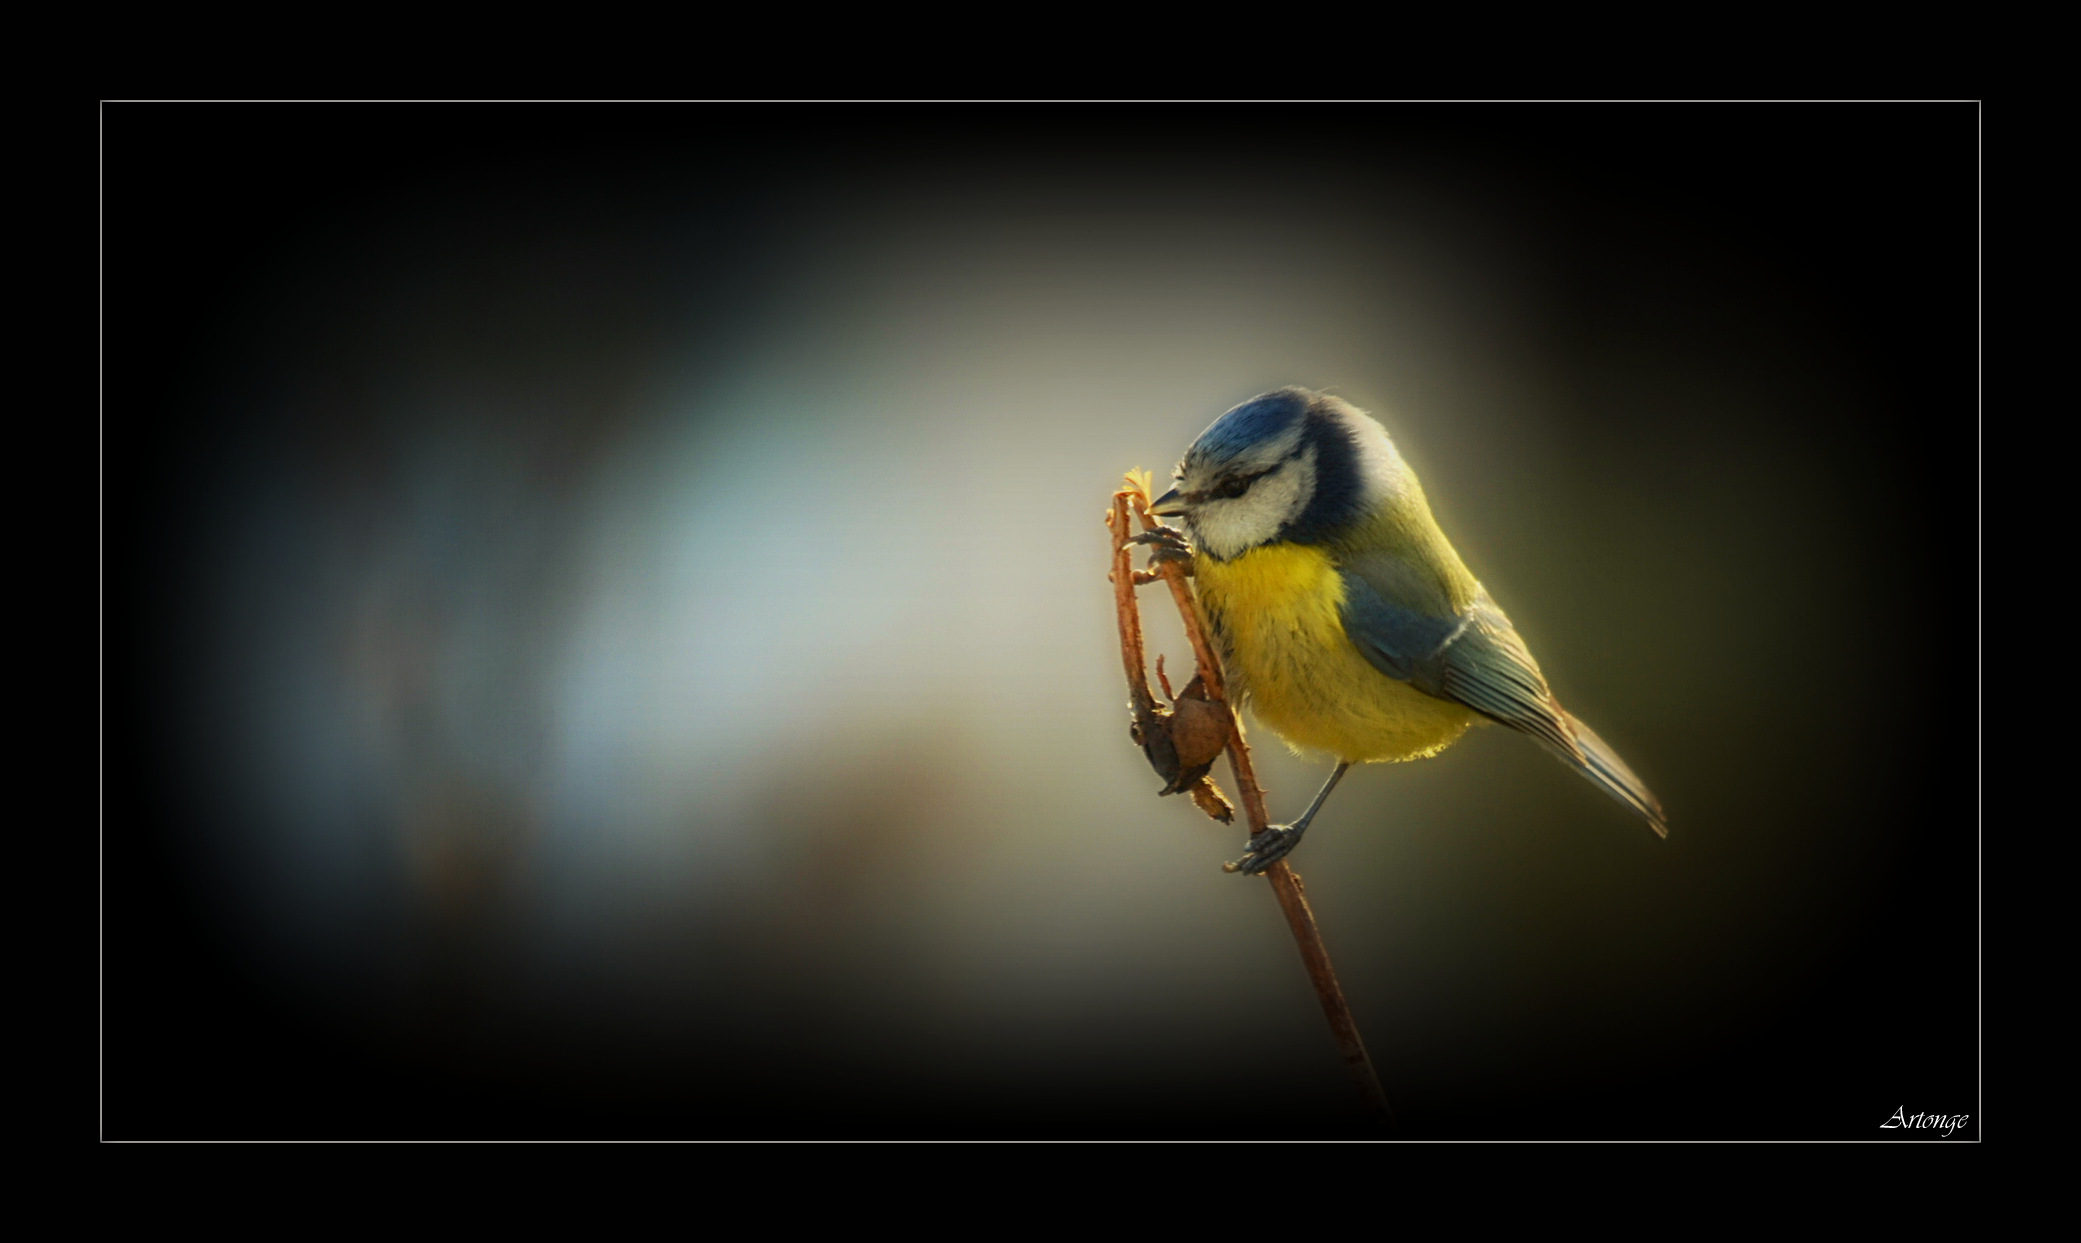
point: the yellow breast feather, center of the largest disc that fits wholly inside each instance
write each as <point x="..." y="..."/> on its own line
<point x="1277" y="610"/>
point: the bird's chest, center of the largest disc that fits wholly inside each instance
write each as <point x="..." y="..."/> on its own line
<point x="1278" y="613"/>
<point x="1278" y="610"/>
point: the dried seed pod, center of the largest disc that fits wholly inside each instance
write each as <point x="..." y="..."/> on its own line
<point x="1152" y="729"/>
<point x="1199" y="727"/>
<point x="1183" y="744"/>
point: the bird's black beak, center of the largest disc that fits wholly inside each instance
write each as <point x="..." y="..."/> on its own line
<point x="1169" y="505"/>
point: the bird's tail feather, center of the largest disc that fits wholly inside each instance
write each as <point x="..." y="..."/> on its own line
<point x="1602" y="765"/>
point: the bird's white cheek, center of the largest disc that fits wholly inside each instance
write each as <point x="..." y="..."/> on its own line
<point x="1227" y="528"/>
<point x="1278" y="499"/>
<point x="1217" y="530"/>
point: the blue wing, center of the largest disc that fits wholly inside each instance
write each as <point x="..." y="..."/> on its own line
<point x="1475" y="657"/>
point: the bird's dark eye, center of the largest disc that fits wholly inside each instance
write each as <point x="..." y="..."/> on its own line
<point x="1234" y="486"/>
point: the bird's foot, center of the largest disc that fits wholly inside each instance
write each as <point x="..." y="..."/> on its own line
<point x="1267" y="848"/>
<point x="1166" y="544"/>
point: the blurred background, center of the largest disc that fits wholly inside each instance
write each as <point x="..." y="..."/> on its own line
<point x="606" y="630"/>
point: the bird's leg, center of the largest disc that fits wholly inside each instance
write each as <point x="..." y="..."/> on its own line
<point x="1278" y="840"/>
<point x="1165" y="544"/>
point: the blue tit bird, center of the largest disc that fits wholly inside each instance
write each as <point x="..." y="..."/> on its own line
<point x="1343" y="615"/>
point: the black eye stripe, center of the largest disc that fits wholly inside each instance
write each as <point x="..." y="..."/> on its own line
<point x="1236" y="485"/>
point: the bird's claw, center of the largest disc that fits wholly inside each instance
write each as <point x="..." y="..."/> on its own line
<point x="1166" y="544"/>
<point x="1266" y="848"/>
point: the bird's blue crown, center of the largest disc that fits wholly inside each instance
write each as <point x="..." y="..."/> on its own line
<point x="1255" y="421"/>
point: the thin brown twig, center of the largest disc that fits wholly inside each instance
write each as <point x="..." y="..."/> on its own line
<point x="1123" y="576"/>
<point x="1285" y="882"/>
